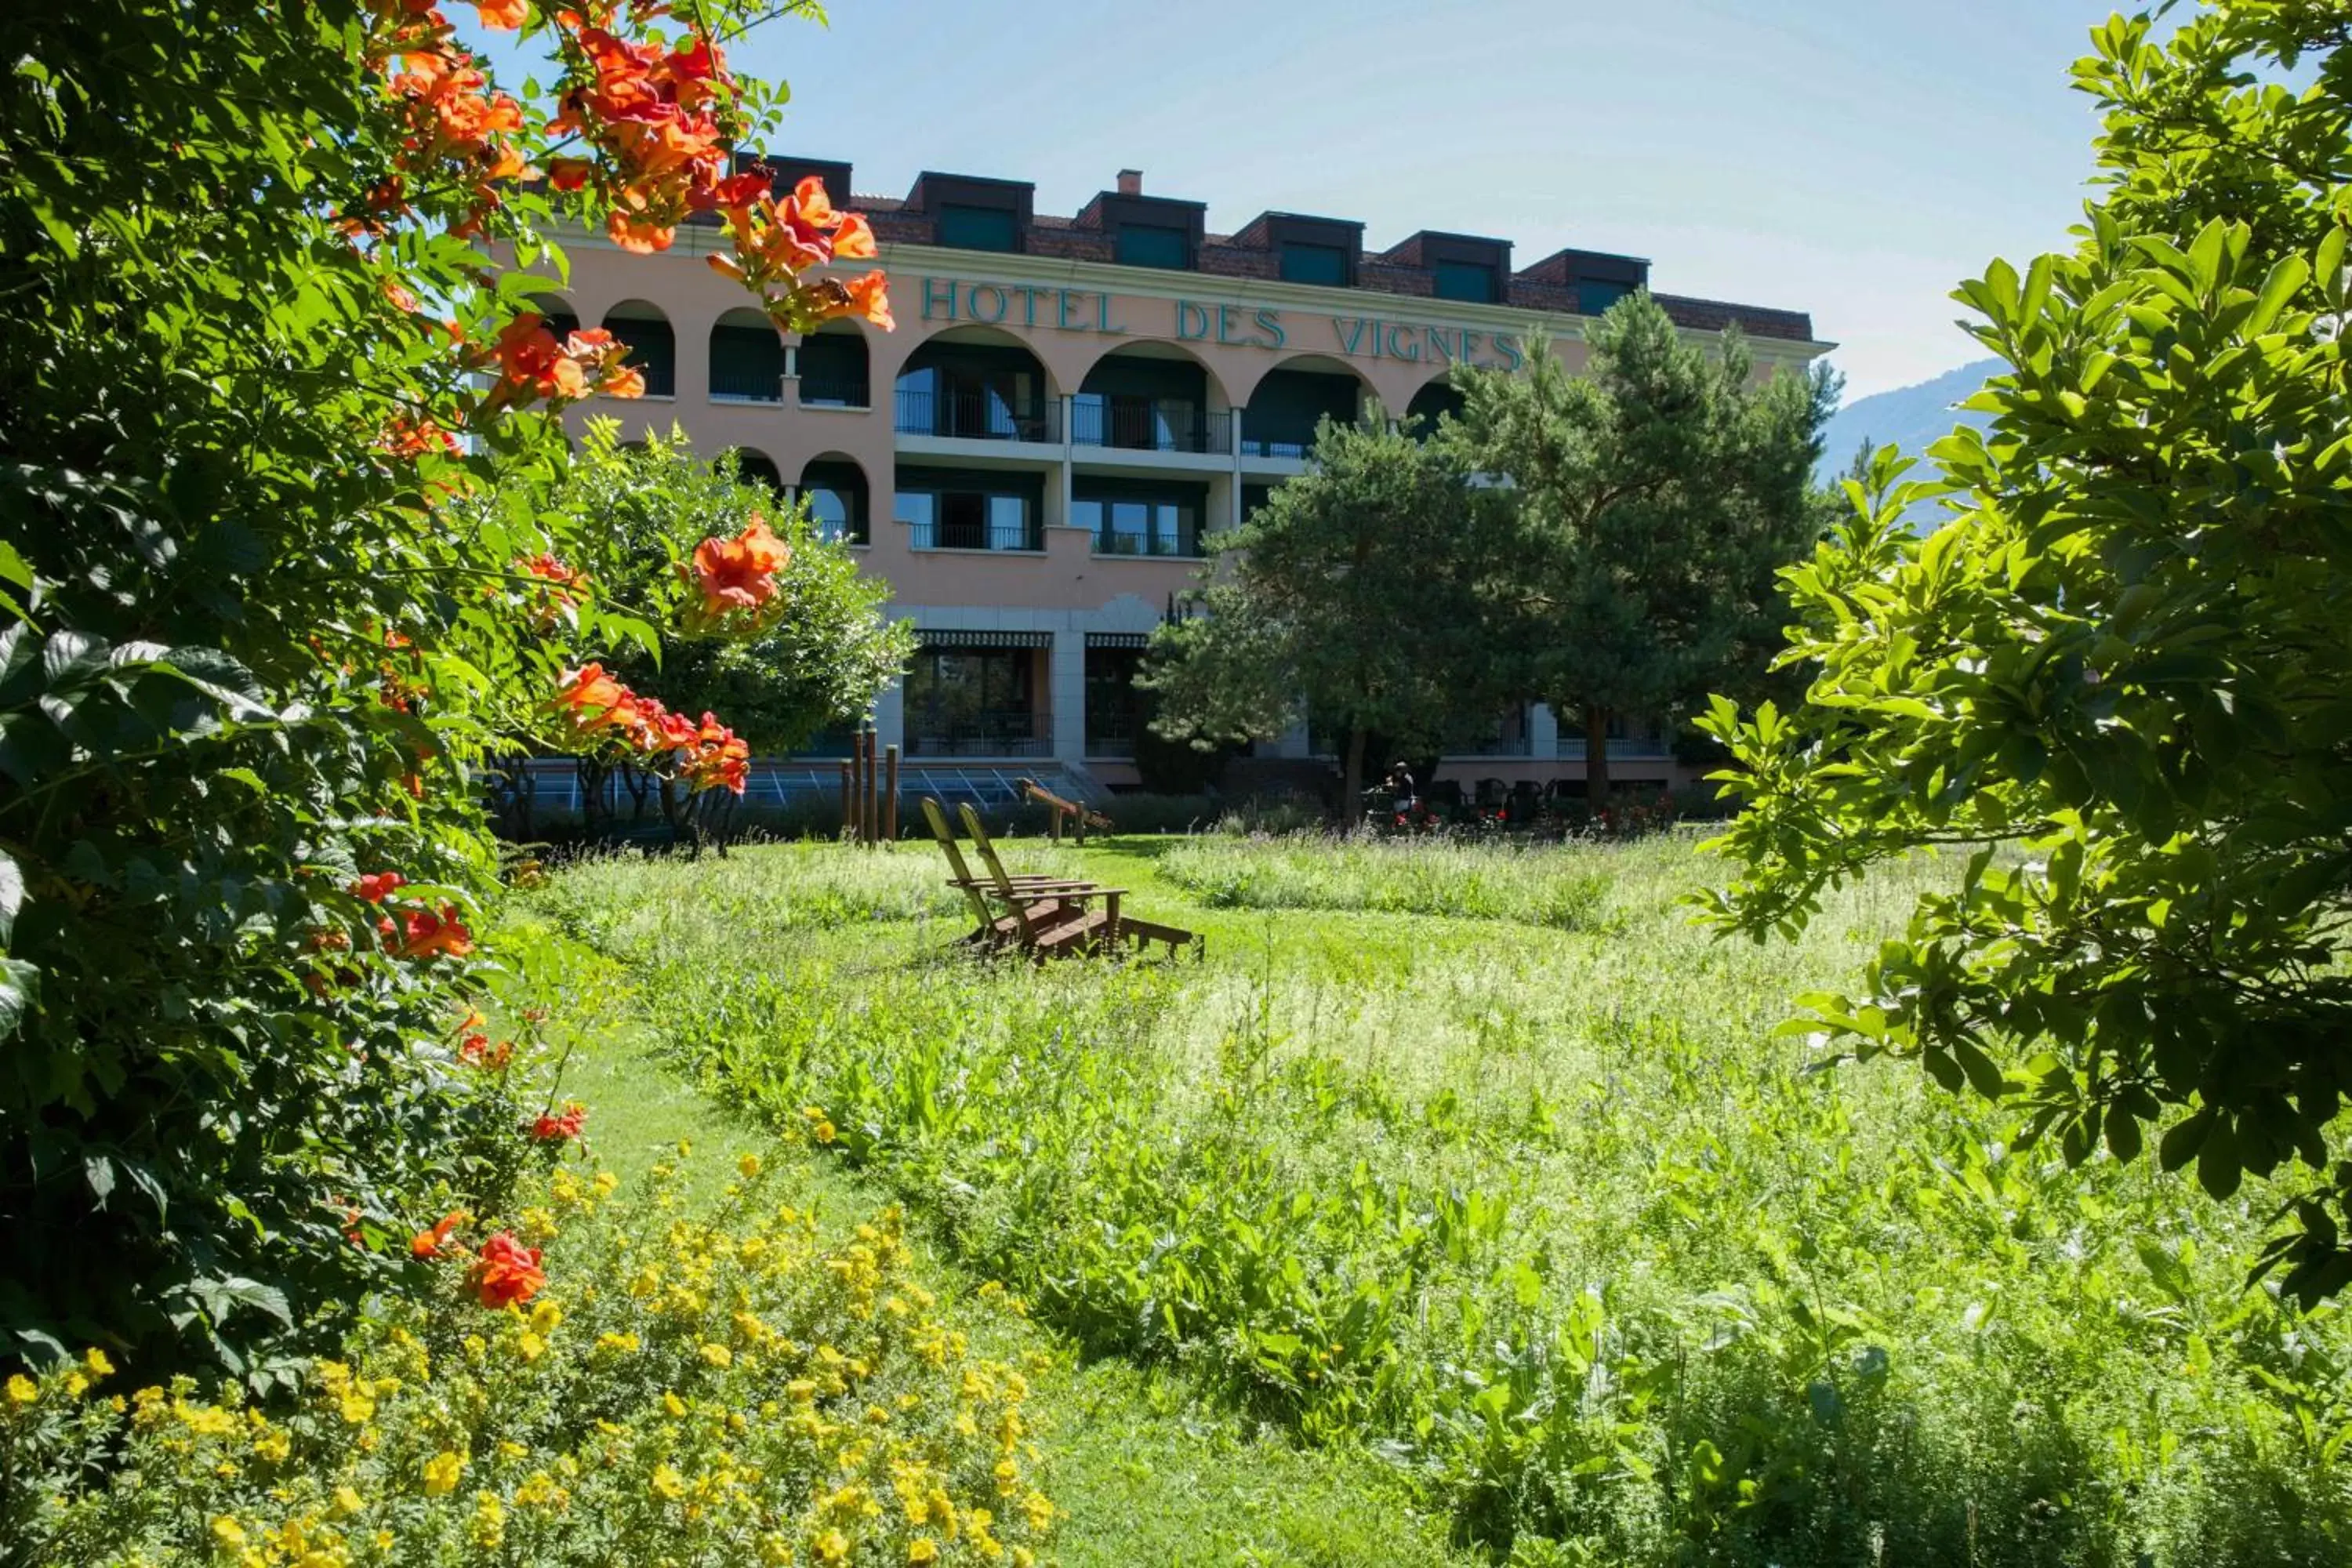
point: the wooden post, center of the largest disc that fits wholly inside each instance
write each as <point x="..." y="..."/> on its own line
<point x="873" y="789"/>
<point x="890" y="793"/>
<point x="848" y="797"/>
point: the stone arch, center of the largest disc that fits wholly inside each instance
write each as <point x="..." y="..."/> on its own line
<point x="747" y="358"/>
<point x="653" y="346"/>
<point x="1432" y="401"/>
<point x="978" y="383"/>
<point x="836" y="367"/>
<point x="1150" y="395"/>
<point x="757" y="468"/>
<point x="840" y="498"/>
<point x="1286" y="402"/>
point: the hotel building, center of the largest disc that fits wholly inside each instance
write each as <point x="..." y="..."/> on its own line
<point x="1069" y="406"/>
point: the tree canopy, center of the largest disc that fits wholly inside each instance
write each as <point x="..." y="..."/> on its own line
<point x="1656" y="496"/>
<point x="1354" y="596"/>
<point x="2119" y="676"/>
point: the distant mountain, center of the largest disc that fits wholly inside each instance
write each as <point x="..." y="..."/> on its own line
<point x="1909" y="417"/>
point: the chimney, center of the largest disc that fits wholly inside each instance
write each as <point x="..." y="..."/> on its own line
<point x="1130" y="181"/>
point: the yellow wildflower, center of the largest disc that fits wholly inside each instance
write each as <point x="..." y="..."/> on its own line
<point x="441" y="1472"/>
<point x="545" y="1315"/>
<point x="620" y="1344"/>
<point x="750" y="1165"/>
<point x="76" y="1384"/>
<point x="606" y="1183"/>
<point x="357" y="1408"/>
<point x="228" y="1532"/>
<point x="718" y="1355"/>
<point x="832" y="1547"/>
<point x="672" y="1403"/>
<point x="668" y="1483"/>
<point x="23" y="1389"/>
<point x="530" y="1346"/>
<point x="824" y="1132"/>
<point x="94" y="1358"/>
<point x="922" y="1548"/>
<point x="348" y="1501"/>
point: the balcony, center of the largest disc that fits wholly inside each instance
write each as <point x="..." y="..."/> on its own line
<point x="745" y="383"/>
<point x="975" y="533"/>
<point x="1003" y="732"/>
<point x="818" y="392"/>
<point x="1493" y="746"/>
<point x="1147" y="425"/>
<point x="974" y="416"/>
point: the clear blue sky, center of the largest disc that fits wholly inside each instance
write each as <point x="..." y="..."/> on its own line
<point x="1854" y="158"/>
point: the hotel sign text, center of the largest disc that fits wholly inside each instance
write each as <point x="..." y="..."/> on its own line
<point x="1229" y="326"/>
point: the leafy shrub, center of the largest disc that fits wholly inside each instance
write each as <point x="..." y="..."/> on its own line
<point x="724" y="1391"/>
<point x="259" y="623"/>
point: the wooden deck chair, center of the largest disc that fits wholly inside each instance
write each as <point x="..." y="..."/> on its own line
<point x="1112" y="926"/>
<point x="992" y="929"/>
<point x="1050" y="920"/>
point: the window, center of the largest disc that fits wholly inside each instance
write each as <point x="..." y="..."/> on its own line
<point x="1128" y="524"/>
<point x="976" y="398"/>
<point x="835" y="493"/>
<point x="1594" y="298"/>
<point x="960" y="517"/>
<point x="1154" y="245"/>
<point x="1472" y="280"/>
<point x="974" y="701"/>
<point x="1324" y="264"/>
<point x="1115" y="708"/>
<point x="747" y="362"/>
<point x="978" y="229"/>
<point x="833" y="371"/>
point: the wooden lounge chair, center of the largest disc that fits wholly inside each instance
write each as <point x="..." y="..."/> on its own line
<point x="1071" y="927"/>
<point x="992" y="929"/>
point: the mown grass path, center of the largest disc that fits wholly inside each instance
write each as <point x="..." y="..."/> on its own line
<point x="1146" y="1470"/>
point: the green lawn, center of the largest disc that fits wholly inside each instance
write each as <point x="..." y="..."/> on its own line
<point x="1480" y="1177"/>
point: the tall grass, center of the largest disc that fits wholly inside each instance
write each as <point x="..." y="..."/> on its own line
<point x="1428" y="877"/>
<point x="1539" y="1207"/>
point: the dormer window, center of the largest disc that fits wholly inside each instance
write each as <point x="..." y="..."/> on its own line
<point x="1471" y="280"/>
<point x="1154" y="245"/>
<point x="1302" y="262"/>
<point x="962" y="227"/>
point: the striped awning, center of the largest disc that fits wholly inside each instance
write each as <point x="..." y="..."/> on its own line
<point x="950" y="636"/>
<point x="1119" y="640"/>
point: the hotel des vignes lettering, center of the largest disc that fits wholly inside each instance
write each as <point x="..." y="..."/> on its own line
<point x="1068" y="407"/>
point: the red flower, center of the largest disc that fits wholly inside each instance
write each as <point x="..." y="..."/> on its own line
<point x="506" y="1273"/>
<point x="720" y="758"/>
<point x="421" y="933"/>
<point x="557" y="1129"/>
<point x="739" y="574"/>
<point x="428" y="1243"/>
<point x="377" y="886"/>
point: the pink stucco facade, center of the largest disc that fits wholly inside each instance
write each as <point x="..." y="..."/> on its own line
<point x="1066" y="324"/>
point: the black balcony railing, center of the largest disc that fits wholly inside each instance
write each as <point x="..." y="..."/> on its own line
<point x="747" y="384"/>
<point x="977" y="533"/>
<point x="1280" y="444"/>
<point x="1147" y="425"/>
<point x="817" y="392"/>
<point x="1620" y="748"/>
<point x="973" y="416"/>
<point x="1007" y="732"/>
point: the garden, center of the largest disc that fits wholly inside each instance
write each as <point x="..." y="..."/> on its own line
<point x="1944" y="1163"/>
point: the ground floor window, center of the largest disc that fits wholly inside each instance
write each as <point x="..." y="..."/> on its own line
<point x="1115" y="707"/>
<point x="975" y="701"/>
